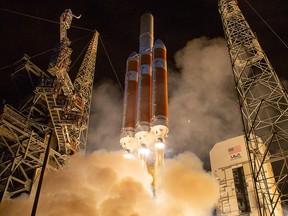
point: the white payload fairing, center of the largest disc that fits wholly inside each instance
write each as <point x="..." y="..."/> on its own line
<point x="145" y="107"/>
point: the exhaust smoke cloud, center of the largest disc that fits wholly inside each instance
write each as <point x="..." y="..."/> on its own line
<point x="105" y="184"/>
<point x="202" y="111"/>
<point x="203" y="105"/>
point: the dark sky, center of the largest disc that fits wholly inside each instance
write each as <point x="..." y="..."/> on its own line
<point x="176" y="22"/>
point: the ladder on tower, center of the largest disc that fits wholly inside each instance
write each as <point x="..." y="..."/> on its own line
<point x="56" y="121"/>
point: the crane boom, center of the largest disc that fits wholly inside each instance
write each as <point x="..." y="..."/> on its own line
<point x="60" y="62"/>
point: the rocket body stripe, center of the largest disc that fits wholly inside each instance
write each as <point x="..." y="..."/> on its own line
<point x="159" y="52"/>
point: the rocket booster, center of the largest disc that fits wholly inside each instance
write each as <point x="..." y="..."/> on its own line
<point x="159" y="124"/>
<point x="130" y="102"/>
<point x="145" y="106"/>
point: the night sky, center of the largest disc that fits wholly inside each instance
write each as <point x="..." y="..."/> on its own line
<point x="176" y="22"/>
<point x="118" y="22"/>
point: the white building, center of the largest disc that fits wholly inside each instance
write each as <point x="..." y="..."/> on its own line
<point x="230" y="164"/>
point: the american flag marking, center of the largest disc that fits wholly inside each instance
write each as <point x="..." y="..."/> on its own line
<point x="234" y="150"/>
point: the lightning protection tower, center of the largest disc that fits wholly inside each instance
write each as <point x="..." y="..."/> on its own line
<point x="263" y="103"/>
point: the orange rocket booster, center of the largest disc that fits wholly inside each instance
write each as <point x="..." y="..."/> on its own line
<point x="160" y="84"/>
<point x="130" y="95"/>
<point x="159" y="123"/>
<point x="130" y="100"/>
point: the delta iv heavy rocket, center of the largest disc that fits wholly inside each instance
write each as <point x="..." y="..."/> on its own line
<point x="145" y="106"/>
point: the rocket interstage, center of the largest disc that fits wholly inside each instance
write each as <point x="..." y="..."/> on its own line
<point x="145" y="106"/>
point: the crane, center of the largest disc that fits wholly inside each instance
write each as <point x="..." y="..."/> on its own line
<point x="56" y="106"/>
<point x="60" y="62"/>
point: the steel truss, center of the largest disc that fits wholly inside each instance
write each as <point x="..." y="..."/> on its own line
<point x="264" y="108"/>
<point x="54" y="108"/>
<point x="23" y="143"/>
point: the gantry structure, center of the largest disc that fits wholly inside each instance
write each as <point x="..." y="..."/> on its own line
<point x="264" y="108"/>
<point x="57" y="108"/>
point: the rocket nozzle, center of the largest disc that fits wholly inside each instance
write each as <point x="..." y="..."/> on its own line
<point x="128" y="154"/>
<point x="144" y="150"/>
<point x="160" y="144"/>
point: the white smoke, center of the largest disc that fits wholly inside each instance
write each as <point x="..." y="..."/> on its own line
<point x="105" y="118"/>
<point x="203" y="107"/>
<point x="202" y="111"/>
<point x="105" y="184"/>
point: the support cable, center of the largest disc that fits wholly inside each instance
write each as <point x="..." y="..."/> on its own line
<point x="41" y="53"/>
<point x="77" y="27"/>
<point x="44" y="52"/>
<point x="44" y="19"/>
<point x="267" y="24"/>
<point x="111" y="64"/>
<point x="79" y="55"/>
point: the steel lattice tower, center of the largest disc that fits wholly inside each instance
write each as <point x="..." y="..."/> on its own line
<point x="56" y="109"/>
<point x="264" y="108"/>
<point x="263" y="103"/>
<point x="83" y="85"/>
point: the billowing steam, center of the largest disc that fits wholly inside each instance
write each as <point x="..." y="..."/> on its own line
<point x="202" y="111"/>
<point x="203" y="107"/>
<point x="106" y="184"/>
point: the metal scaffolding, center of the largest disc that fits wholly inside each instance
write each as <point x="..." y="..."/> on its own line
<point x="264" y="108"/>
<point x="56" y="107"/>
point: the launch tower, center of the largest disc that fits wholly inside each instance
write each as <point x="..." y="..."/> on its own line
<point x="263" y="103"/>
<point x="58" y="109"/>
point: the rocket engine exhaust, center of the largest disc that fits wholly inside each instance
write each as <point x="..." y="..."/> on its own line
<point x="145" y="104"/>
